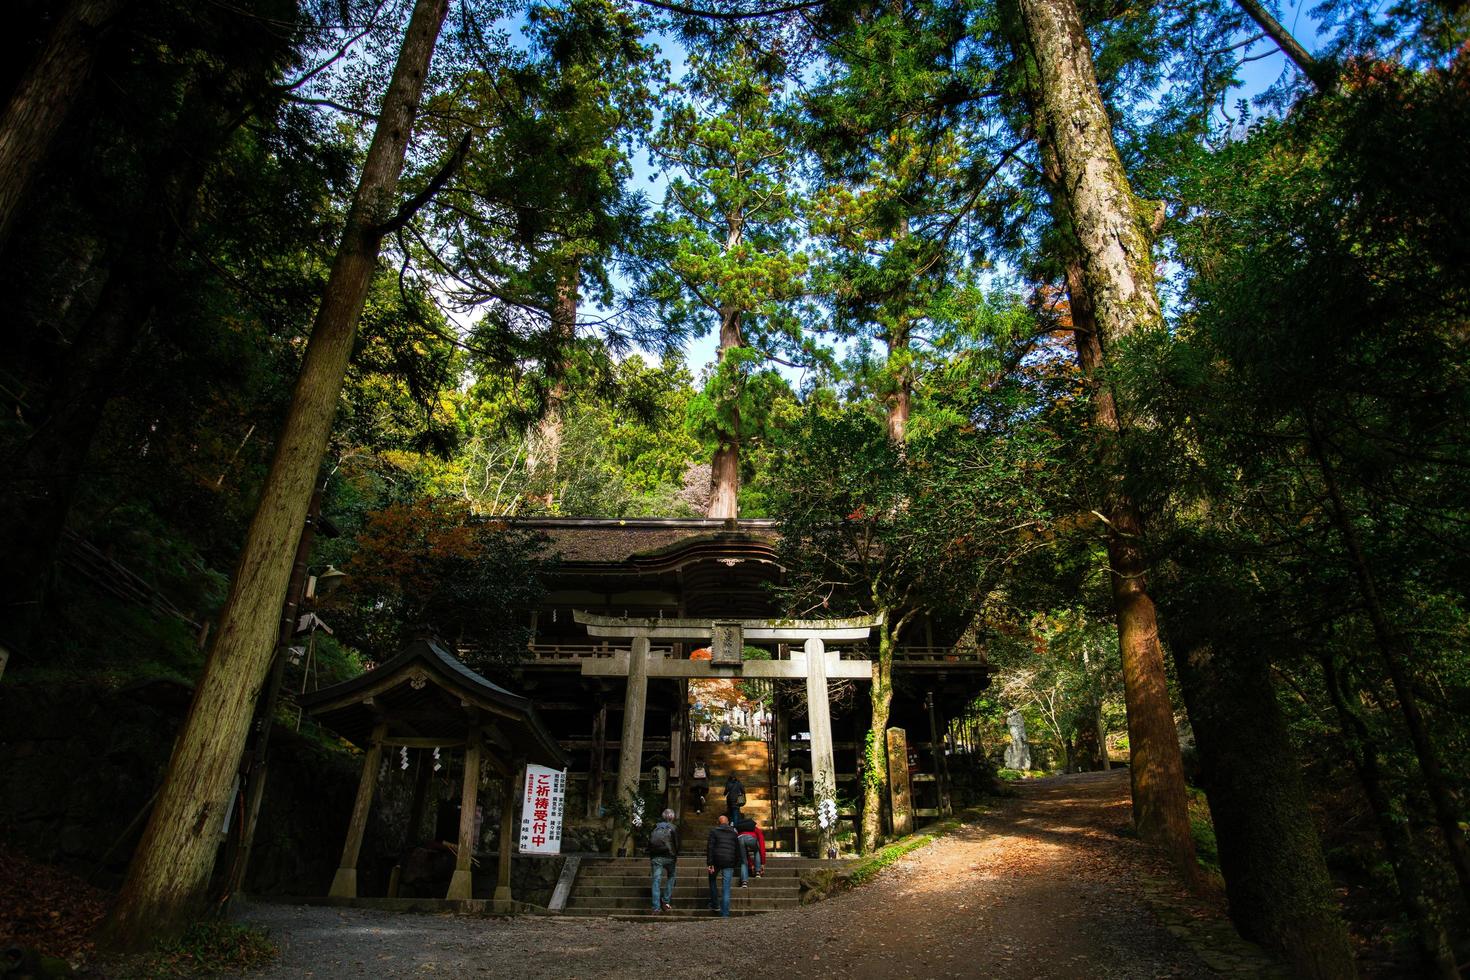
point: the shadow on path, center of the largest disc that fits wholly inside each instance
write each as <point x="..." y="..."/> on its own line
<point x="1045" y="885"/>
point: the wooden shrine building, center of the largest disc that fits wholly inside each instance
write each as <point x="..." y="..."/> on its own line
<point x="425" y="699"/>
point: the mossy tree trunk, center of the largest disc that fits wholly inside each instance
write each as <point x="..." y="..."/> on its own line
<point x="170" y="870"/>
<point x="875" y="752"/>
<point x="1117" y="277"/>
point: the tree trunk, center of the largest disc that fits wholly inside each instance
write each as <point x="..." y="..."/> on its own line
<point x="44" y="96"/>
<point x="170" y="869"/>
<point x="1395" y="653"/>
<point x="1156" y="767"/>
<point x="875" y="772"/>
<point x="1309" y="66"/>
<point x="900" y="398"/>
<point x="1117" y="273"/>
<point x="725" y="470"/>
<point x="544" y="452"/>
<point x="1438" y="958"/>
<point x="1280" y="893"/>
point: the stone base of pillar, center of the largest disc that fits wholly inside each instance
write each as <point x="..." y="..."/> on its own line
<point x="502" y="903"/>
<point x="460" y="885"/>
<point x="344" y="884"/>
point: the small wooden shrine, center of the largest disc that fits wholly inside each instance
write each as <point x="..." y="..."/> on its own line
<point x="424" y="698"/>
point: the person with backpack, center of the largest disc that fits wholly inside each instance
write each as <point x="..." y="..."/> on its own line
<point x="699" y="787"/>
<point x="734" y="797"/>
<point x="722" y="856"/>
<point x="663" y="854"/>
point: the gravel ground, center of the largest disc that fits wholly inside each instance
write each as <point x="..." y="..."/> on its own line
<point x="1043" y="885"/>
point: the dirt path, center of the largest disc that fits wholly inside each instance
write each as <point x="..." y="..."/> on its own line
<point x="1043" y="885"/>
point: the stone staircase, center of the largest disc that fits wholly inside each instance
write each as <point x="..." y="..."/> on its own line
<point x="621" y="887"/>
<point x="748" y="760"/>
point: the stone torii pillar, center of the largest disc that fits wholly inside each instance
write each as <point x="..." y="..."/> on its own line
<point x="819" y="718"/>
<point x="815" y="665"/>
<point x="630" y="751"/>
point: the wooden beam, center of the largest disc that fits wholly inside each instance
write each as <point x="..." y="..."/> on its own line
<point x="854" y="628"/>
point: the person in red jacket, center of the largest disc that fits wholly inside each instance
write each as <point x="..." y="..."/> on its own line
<point x="753" y="850"/>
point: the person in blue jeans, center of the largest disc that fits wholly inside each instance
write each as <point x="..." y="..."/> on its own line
<point x="722" y="856"/>
<point x="663" y="853"/>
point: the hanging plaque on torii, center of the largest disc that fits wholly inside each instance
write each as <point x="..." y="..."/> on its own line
<point x="727" y="644"/>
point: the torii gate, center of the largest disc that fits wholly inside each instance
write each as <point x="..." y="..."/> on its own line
<point x="727" y="639"/>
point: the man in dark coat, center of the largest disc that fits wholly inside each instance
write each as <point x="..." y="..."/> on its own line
<point x="722" y="855"/>
<point x="663" y="855"/>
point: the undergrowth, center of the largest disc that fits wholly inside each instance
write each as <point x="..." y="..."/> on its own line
<point x="207" y="949"/>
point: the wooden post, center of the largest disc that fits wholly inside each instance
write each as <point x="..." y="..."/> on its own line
<point x="630" y="752"/>
<point x="344" y="882"/>
<point x="941" y="764"/>
<point x="676" y="751"/>
<point x="461" y="884"/>
<point x="781" y="813"/>
<point x="511" y="787"/>
<point x="599" y="761"/>
<point x="819" y="717"/>
<point x="900" y="792"/>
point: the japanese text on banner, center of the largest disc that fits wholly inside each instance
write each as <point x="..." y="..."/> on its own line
<point x="541" y="810"/>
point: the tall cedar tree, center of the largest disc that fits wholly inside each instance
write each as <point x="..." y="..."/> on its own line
<point x="170" y="868"/>
<point x="730" y="229"/>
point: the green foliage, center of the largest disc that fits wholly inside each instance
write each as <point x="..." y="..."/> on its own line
<point x="207" y="949"/>
<point x="431" y="564"/>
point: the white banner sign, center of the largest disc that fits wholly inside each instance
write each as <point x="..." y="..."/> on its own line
<point x="541" y="810"/>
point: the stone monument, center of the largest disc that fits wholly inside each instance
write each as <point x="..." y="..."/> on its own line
<point x="1018" y="753"/>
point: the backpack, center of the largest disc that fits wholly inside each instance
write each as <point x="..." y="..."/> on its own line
<point x="737" y="794"/>
<point x="745" y="825"/>
<point x="661" y="841"/>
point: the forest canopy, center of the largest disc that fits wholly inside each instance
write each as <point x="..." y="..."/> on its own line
<point x="1044" y="318"/>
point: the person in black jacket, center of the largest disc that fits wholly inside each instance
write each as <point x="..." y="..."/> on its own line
<point x="722" y="855"/>
<point x="734" y="797"/>
<point x="663" y="855"/>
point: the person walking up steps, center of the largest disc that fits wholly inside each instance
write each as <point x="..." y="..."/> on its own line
<point x="663" y="853"/>
<point x="752" y="848"/>
<point x="722" y="856"/>
<point x="734" y="797"/>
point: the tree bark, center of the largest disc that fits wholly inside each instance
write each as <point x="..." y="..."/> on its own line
<point x="1280" y="893"/>
<point x="900" y="398"/>
<point x="43" y="97"/>
<point x="1309" y="66"/>
<point x="1118" y="279"/>
<point x="725" y="469"/>
<point x="875" y="773"/>
<point x="544" y="453"/>
<point x="170" y="869"/>
<point x="1156" y="767"/>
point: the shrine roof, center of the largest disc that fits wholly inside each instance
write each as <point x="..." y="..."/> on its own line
<point x="607" y="542"/>
<point x="422" y="692"/>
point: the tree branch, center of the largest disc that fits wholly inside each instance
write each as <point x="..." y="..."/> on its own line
<point x="436" y="183"/>
<point x="680" y="8"/>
